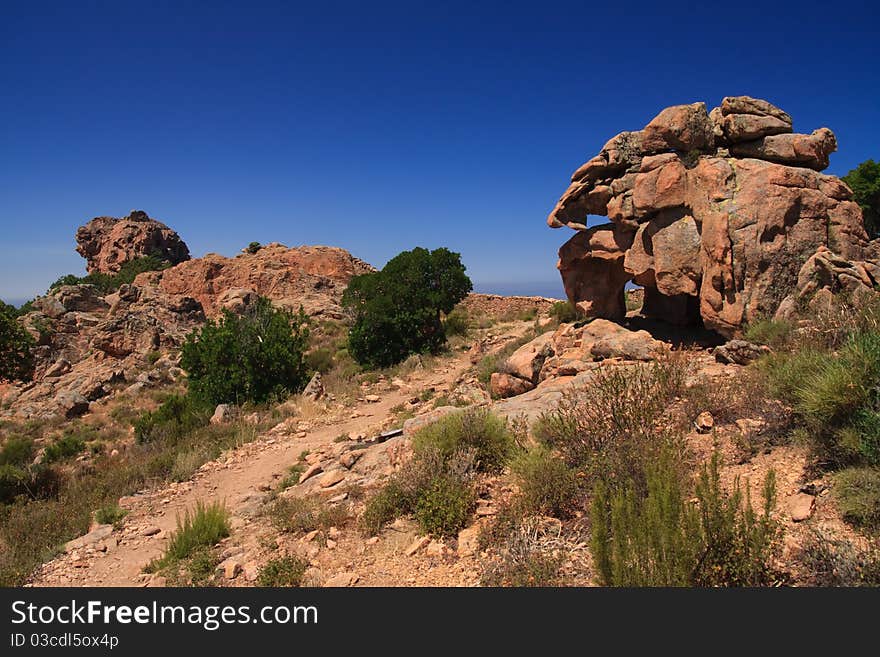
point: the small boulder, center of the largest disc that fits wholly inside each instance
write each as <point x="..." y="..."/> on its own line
<point x="221" y="414"/>
<point x="740" y="352"/>
<point x="704" y="422"/>
<point x="504" y="385"/>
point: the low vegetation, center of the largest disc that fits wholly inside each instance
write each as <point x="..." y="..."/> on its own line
<point x="283" y="571"/>
<point x="437" y="485"/>
<point x="107" y="283"/>
<point x="252" y="357"/>
<point x="204" y="527"/>
<point x="16" y="360"/>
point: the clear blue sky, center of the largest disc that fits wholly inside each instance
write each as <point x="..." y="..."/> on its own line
<point x="379" y="126"/>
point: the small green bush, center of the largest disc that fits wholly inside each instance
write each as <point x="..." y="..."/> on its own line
<point x="478" y="429"/>
<point x="207" y="525"/>
<point x="64" y="448"/>
<point x="110" y="514"/>
<point x="285" y="571"/>
<point x="319" y="360"/>
<point x="445" y="506"/>
<point x="17" y="451"/>
<point x="617" y="423"/>
<point x="250" y="357"/>
<point x="771" y="332"/>
<point x="662" y="539"/>
<point x="304" y="514"/>
<point x="176" y="417"/>
<point x="253" y="247"/>
<point x="457" y="323"/>
<point x="565" y="312"/>
<point x="547" y="485"/>
<point x="858" y="495"/>
<point x="405" y="490"/>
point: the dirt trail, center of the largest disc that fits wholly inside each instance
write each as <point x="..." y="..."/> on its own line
<point x="235" y="478"/>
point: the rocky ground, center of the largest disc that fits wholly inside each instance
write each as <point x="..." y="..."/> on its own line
<point x="343" y="467"/>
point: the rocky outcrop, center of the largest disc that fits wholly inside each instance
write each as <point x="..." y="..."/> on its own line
<point x="714" y="213"/>
<point x="89" y="346"/>
<point x="570" y="350"/>
<point x="313" y="277"/>
<point x="107" y="243"/>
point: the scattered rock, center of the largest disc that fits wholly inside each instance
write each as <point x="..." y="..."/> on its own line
<point x="800" y="506"/>
<point x="151" y="531"/>
<point x="704" y="422"/>
<point x="315" y="388"/>
<point x="221" y="414"/>
<point x="96" y="535"/>
<point x="739" y="352"/>
<point x="417" y="545"/>
<point x="332" y="478"/>
<point x="504" y="385"/>
<point x="468" y="541"/>
<point x="310" y="472"/>
<point x="341" y="580"/>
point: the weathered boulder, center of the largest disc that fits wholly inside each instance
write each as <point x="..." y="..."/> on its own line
<point x="714" y="214"/>
<point x="739" y="352"/>
<point x="526" y="362"/>
<point x="503" y="385"/>
<point x="107" y="243"/>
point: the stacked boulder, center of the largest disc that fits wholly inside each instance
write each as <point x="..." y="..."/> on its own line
<point x="715" y="214"/>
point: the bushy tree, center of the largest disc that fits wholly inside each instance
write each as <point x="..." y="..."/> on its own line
<point x="247" y="357"/>
<point x="397" y="311"/>
<point x="16" y="361"/>
<point x="864" y="180"/>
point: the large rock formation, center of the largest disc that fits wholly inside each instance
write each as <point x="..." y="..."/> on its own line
<point x="713" y="213"/>
<point x="107" y="243"/>
<point x="313" y="277"/>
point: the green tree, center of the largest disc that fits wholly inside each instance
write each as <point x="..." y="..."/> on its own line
<point x="16" y="360"/>
<point x="864" y="180"/>
<point x="248" y="357"/>
<point x="397" y="311"/>
<point x="107" y="283"/>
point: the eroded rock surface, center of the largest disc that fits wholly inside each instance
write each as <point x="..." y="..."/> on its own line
<point x="715" y="214"/>
<point x="107" y="243"/>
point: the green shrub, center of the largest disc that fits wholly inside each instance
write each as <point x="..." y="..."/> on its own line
<point x="285" y="571"/>
<point x="836" y="396"/>
<point x="305" y="514"/>
<point x="565" y="312"/>
<point x="64" y="448"/>
<point x="253" y="247"/>
<point x="110" y="514"/>
<point x="249" y="357"/>
<point x="397" y="310"/>
<point x="858" y="495"/>
<point x="617" y="423"/>
<point x="457" y="323"/>
<point x="319" y="360"/>
<point x="771" y="332"/>
<point x="207" y="525"/>
<point x="405" y="491"/>
<point x="16" y="360"/>
<point x="106" y="283"/>
<point x="445" y="506"/>
<point x="662" y="539"/>
<point x="547" y="485"/>
<point x="487" y="434"/>
<point x="17" y="451"/>
<point x="175" y="418"/>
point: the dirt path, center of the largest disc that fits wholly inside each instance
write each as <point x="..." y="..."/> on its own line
<point x="236" y="478"/>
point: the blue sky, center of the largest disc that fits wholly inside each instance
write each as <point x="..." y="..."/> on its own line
<point x="378" y="127"/>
